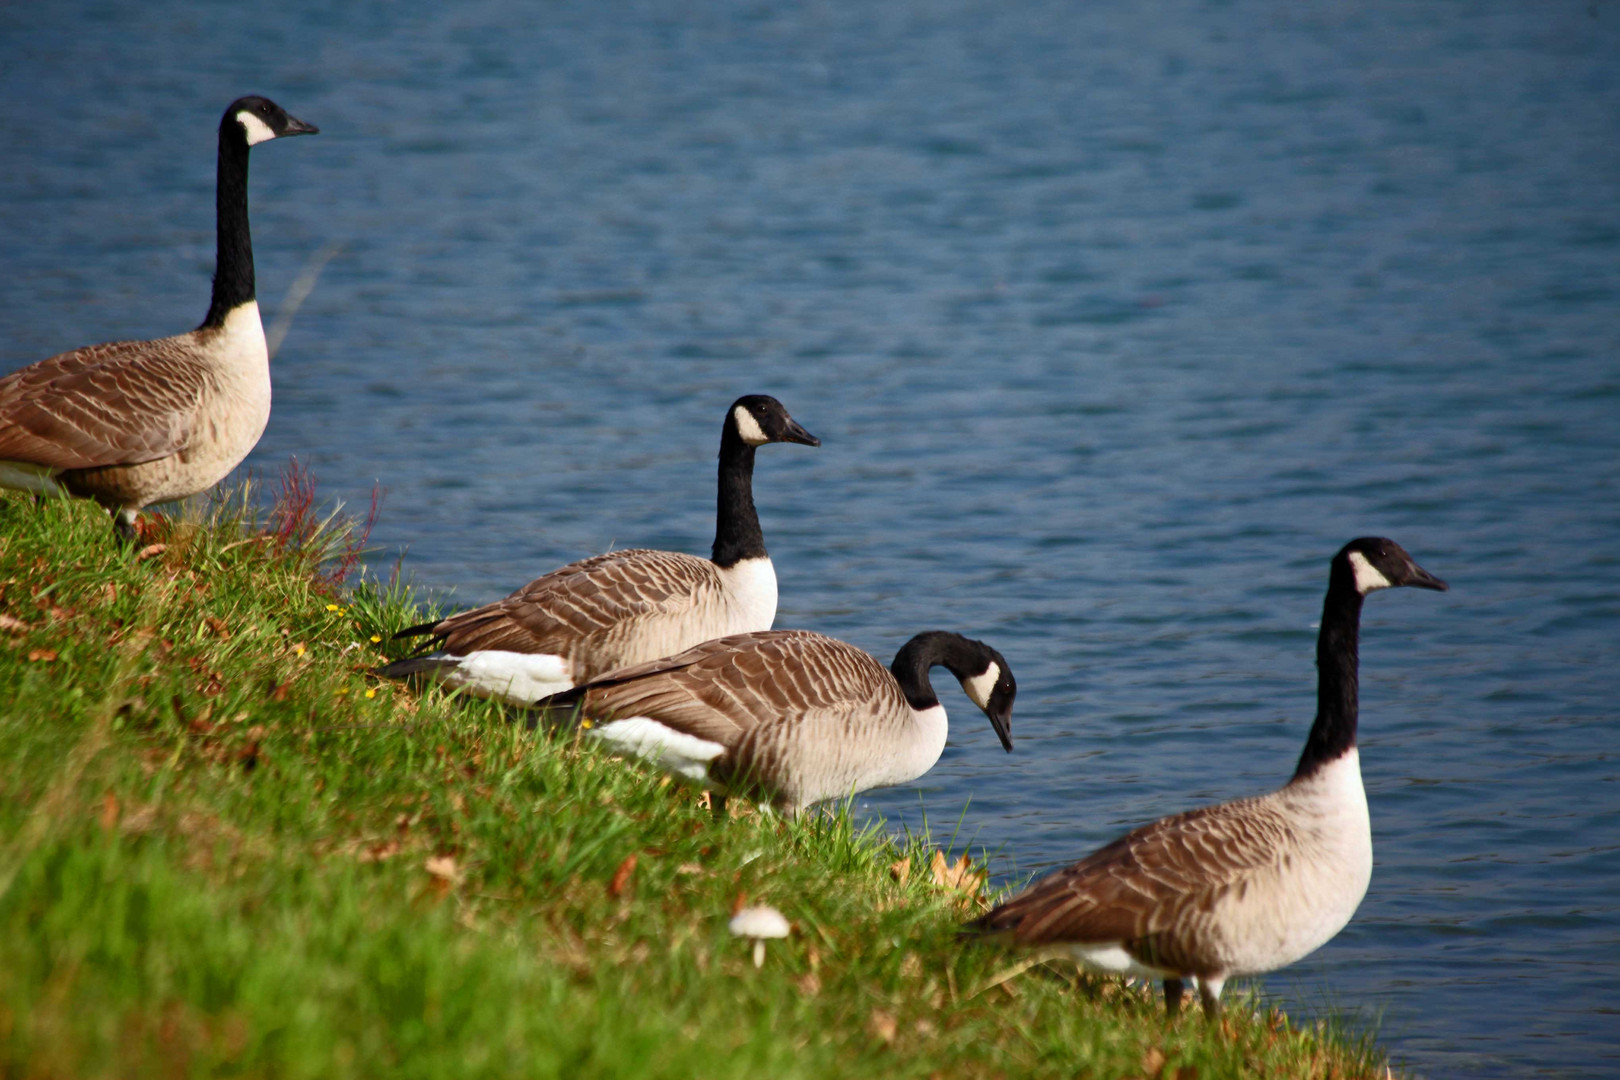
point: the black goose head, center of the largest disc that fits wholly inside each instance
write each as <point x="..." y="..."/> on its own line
<point x="758" y="419"/>
<point x="1374" y="562"/>
<point x="984" y="673"/>
<point x="989" y="684"/>
<point x="261" y="120"/>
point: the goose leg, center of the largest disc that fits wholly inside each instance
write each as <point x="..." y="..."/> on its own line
<point x="124" y="524"/>
<point x="1209" y="992"/>
<point x="1173" y="991"/>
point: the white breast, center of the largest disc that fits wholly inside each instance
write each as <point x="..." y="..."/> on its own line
<point x="1310" y="899"/>
<point x="750" y="596"/>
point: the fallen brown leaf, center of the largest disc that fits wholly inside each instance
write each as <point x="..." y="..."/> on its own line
<point x="12" y="625"/>
<point x="151" y="551"/>
<point x="44" y="656"/>
<point x="217" y="625"/>
<point x="1153" y="1063"/>
<point x="958" y="876"/>
<point x="109" y="811"/>
<point x="378" y="852"/>
<point x="900" y="870"/>
<point x="621" y="877"/>
<point x="443" y="867"/>
<point x="882" y="1025"/>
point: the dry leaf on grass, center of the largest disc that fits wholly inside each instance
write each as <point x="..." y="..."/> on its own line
<point x="443" y="867"/>
<point x="900" y="870"/>
<point x="378" y="852"/>
<point x="151" y="551"/>
<point x="109" y="811"/>
<point x="44" y="656"/>
<point x="12" y="625"/>
<point x="621" y="877"/>
<point x="959" y="876"/>
<point x="882" y="1025"/>
<point x="1153" y="1063"/>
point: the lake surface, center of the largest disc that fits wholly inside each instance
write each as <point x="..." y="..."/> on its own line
<point x="1116" y="322"/>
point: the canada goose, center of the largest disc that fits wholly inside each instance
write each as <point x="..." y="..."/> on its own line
<point x="1243" y="887"/>
<point x="622" y="607"/>
<point x="789" y="716"/>
<point x="131" y="423"/>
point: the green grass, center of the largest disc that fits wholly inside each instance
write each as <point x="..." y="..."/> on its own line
<point x="220" y="856"/>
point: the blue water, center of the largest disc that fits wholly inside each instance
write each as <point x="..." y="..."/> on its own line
<point x="1116" y="321"/>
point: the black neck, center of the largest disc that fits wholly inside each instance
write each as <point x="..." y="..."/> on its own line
<point x="911" y="664"/>
<point x="736" y="524"/>
<point x="233" y="259"/>
<point x="1334" y="732"/>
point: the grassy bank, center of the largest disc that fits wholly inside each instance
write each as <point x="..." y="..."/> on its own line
<point x="225" y="850"/>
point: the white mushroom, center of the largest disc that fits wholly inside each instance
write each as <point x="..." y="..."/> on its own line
<point x="759" y="923"/>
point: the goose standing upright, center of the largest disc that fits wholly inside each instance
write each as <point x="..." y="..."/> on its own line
<point x="131" y="423"/>
<point x="1244" y="887"/>
<point x="623" y="607"/>
<point x="792" y="717"/>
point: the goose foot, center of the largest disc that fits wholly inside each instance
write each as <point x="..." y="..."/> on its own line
<point x="1209" y="993"/>
<point x="124" y="525"/>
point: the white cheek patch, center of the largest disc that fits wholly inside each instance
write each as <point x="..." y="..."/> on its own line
<point x="980" y="687"/>
<point x="1368" y="576"/>
<point x="748" y="427"/>
<point x="257" y="130"/>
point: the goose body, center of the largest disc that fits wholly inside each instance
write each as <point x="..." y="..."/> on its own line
<point x="132" y="423"/>
<point x="791" y="717"/>
<point x="624" y="607"/>
<point x="1243" y="887"/>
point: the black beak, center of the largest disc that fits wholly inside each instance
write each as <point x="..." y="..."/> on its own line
<point x="296" y="126"/>
<point x="1001" y="720"/>
<point x="795" y="433"/>
<point x="1422" y="579"/>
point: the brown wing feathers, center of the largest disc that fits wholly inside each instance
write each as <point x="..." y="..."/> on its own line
<point x="554" y="612"/>
<point x="123" y="403"/>
<point x="1147" y="889"/>
<point x="722" y="688"/>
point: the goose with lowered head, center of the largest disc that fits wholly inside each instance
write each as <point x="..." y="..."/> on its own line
<point x="790" y="717"/>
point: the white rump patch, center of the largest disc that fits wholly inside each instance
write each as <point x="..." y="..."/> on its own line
<point x="980" y="687"/>
<point x="26" y="476"/>
<point x="679" y="753"/>
<point x="516" y="678"/>
<point x="748" y="427"/>
<point x="1368" y="576"/>
<point x="1111" y="958"/>
<point x="257" y="130"/>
